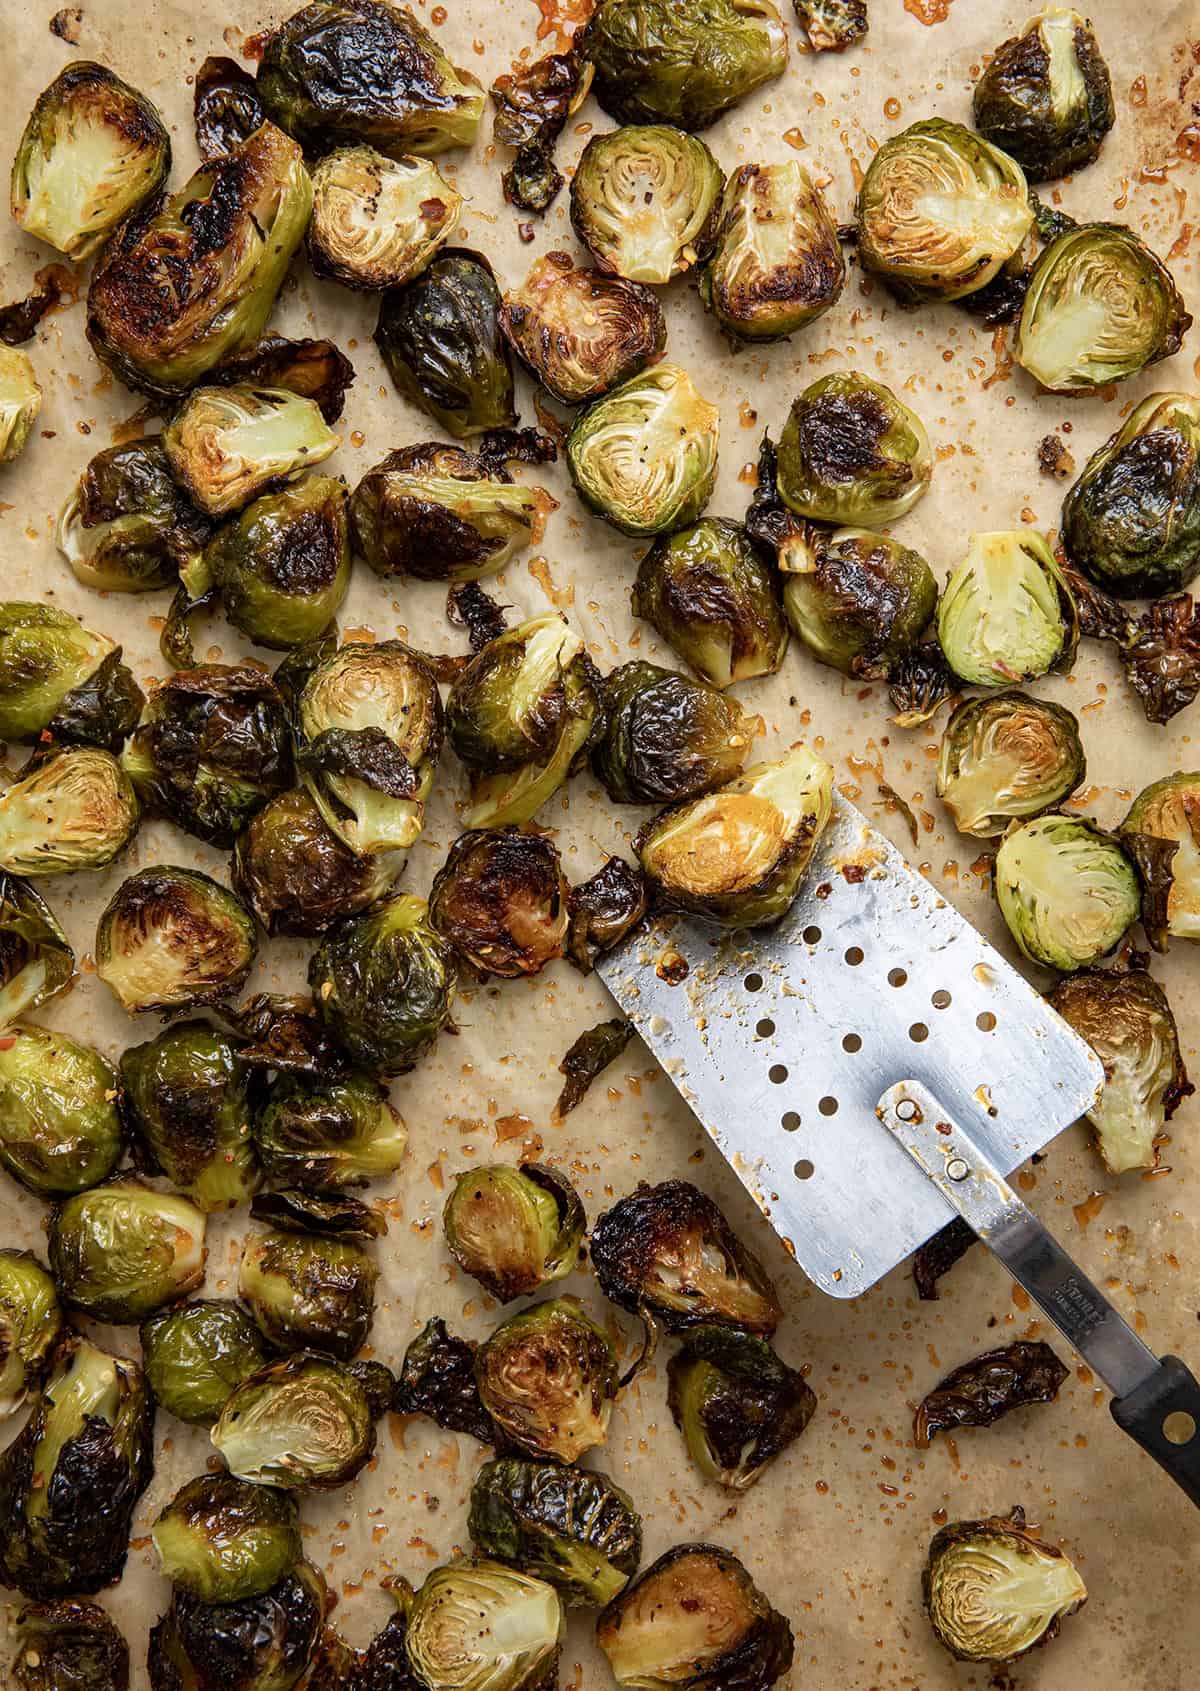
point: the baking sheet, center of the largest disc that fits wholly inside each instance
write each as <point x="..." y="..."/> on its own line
<point x="836" y="1532"/>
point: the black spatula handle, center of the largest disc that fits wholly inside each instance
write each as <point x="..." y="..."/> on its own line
<point x="1163" y="1415"/>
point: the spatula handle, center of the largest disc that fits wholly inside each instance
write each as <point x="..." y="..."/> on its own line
<point x="1163" y="1415"/>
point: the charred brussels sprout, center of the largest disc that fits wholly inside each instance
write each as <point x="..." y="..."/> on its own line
<point x="645" y="201"/>
<point x="941" y="212"/>
<point x="187" y="1098"/>
<point x="318" y="1133"/>
<point x="1162" y="834"/>
<point x="988" y="1387"/>
<point x="857" y="600"/>
<point x="1006" y="614"/>
<point x="1046" y="97"/>
<point x="1100" y="307"/>
<point x="75" y="811"/>
<point x="696" y="1621"/>
<point x="736" y="1404"/>
<point x="48" y="662"/>
<point x="221" y="1539"/>
<point x="297" y="875"/>
<point x="226" y="108"/>
<point x="586" y="1060"/>
<point x="851" y="452"/>
<point x="384" y="983"/>
<point x="668" y="738"/>
<point x="437" y="1379"/>
<point x="514" y="1229"/>
<point x="60" y="1131"/>
<point x="738" y="855"/>
<point x="178" y="291"/>
<point x="500" y="899"/>
<point x="314" y="369"/>
<point x="777" y="265"/>
<point x="645" y="456"/>
<point x="439" y="336"/>
<point x="548" y="1377"/>
<point x="602" y="910"/>
<point x="330" y="1215"/>
<point x="306" y="1291"/>
<point x="197" y="1353"/>
<point x="30" y="1325"/>
<point x="993" y="1590"/>
<point x="20" y="402"/>
<point x="225" y="444"/>
<point x="93" y="151"/>
<point x="283" y="566"/>
<point x="662" y="61"/>
<point x="305" y="1421"/>
<point x="69" y="1646"/>
<point x="36" y="959"/>
<point x="714" y="601"/>
<point x="577" y="1531"/>
<point x="123" y="1250"/>
<point x="1067" y="891"/>
<point x="1005" y="759"/>
<point x="580" y="332"/>
<point x="262" y="1643"/>
<point x="477" y="1625"/>
<point x="127" y="527"/>
<point x="173" y="939"/>
<point x="377" y="221"/>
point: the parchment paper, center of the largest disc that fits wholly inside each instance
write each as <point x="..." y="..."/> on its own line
<point x="837" y="1531"/>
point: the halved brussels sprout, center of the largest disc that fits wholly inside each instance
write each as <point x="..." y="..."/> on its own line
<point x="500" y="899"/>
<point x="30" y="1325"/>
<point x="739" y="854"/>
<point x="309" y="1292"/>
<point x="580" y="332"/>
<point x="297" y="875"/>
<point x="736" y="1404"/>
<point x="1005" y="759"/>
<point x="264" y="1643"/>
<point x="514" y="1229"/>
<point x="46" y="656"/>
<point x="1006" y="613"/>
<point x="714" y="601"/>
<point x="305" y="1421"/>
<point x="60" y="1131"/>
<point x="221" y="1539"/>
<point x="377" y="221"/>
<point x="852" y="453"/>
<point x="1046" y="97"/>
<point x="122" y="1250"/>
<point x="778" y="264"/>
<point x="645" y="201"/>
<point x="226" y="444"/>
<point x="226" y="108"/>
<point x="75" y="811"/>
<point x="941" y="212"/>
<point x="282" y="566"/>
<point x="317" y="1133"/>
<point x="602" y="910"/>
<point x="645" y="456"/>
<point x="682" y="61"/>
<point x="20" y="402"/>
<point x="197" y="1353"/>
<point x="315" y="369"/>
<point x="857" y="600"/>
<point x="36" y="959"/>
<point x="179" y="291"/>
<point x="173" y="939"/>
<point x="127" y="527"/>
<point x="92" y="151"/>
<point x="66" y="1645"/>
<point x="667" y="737"/>
<point x="1100" y="307"/>
<point x="1067" y="891"/>
<point x="578" y="1531"/>
<point x="477" y="1625"/>
<point x="439" y="336"/>
<point x="695" y="1621"/>
<point x="1162" y="834"/>
<point x="437" y="1379"/>
<point x="993" y="1590"/>
<point x="384" y="983"/>
<point x="548" y="1378"/>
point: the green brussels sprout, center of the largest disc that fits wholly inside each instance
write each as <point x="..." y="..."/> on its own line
<point x="263" y="1643"/>
<point x="736" y="1404"/>
<point x="521" y="716"/>
<point x="500" y="899"/>
<point x="70" y="1480"/>
<point x="47" y="660"/>
<point x="226" y="444"/>
<point x="667" y="737"/>
<point x="714" y="601"/>
<point x="76" y="810"/>
<point x="173" y="939"/>
<point x="1046" y="97"/>
<point x="196" y="1354"/>
<point x="282" y="566"/>
<point x="832" y="25"/>
<point x="222" y="1540"/>
<point x="778" y="265"/>
<point x="318" y="1133"/>
<point x="851" y="453"/>
<point x="297" y="875"/>
<point x="1005" y="759"/>
<point x="739" y="854"/>
<point x="30" y="1326"/>
<point x="305" y="1421"/>
<point x="122" y="1250"/>
<point x="369" y="734"/>
<point x="384" y="983"/>
<point x="187" y="1098"/>
<point x="314" y="369"/>
<point x="548" y="1378"/>
<point x="66" y="1645"/>
<point x="645" y="456"/>
<point x="330" y="1213"/>
<point x="857" y="600"/>
<point x="1162" y="834"/>
<point x="226" y="109"/>
<point x="439" y="336"/>
<point x="578" y="1531"/>
<point x="581" y="333"/>
<point x="645" y="201"/>
<point x="20" y="402"/>
<point x="60" y="1130"/>
<point x="1067" y="891"/>
<point x="514" y="1229"/>
<point x="437" y="1378"/>
<point x="1100" y="307"/>
<point x="212" y="747"/>
<point x="308" y="1292"/>
<point x="663" y="1633"/>
<point x="177" y="292"/>
<point x="36" y="959"/>
<point x="476" y="1625"/>
<point x="377" y="221"/>
<point x="941" y="212"/>
<point x="602" y="910"/>
<point x="1006" y="613"/>
<point x="92" y="152"/>
<point x="127" y="527"/>
<point x="993" y="1589"/>
<point x="682" y="61"/>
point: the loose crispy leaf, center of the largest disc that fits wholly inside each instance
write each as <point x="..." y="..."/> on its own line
<point x="937" y="1256"/>
<point x="437" y="1378"/>
<point x="587" y="1060"/>
<point x="989" y="1386"/>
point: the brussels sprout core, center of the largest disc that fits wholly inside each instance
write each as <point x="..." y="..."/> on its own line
<point x="302" y="1422"/>
<point x="993" y="1590"/>
<point x="1005" y="759"/>
<point x="222" y="1540"/>
<point x="548" y="1377"/>
<point x="851" y="452"/>
<point x="581" y="332"/>
<point x="514" y="1229"/>
<point x="20" y="402"/>
<point x="173" y="939"/>
<point x="778" y="264"/>
<point x="1006" y="614"/>
<point x="75" y="811"/>
<point x="645" y="201"/>
<point x="225" y="444"/>
<point x="1046" y="96"/>
<point x="378" y="221"/>
<point x="30" y="1325"/>
<point x="477" y="1625"/>
<point x="1067" y="891"/>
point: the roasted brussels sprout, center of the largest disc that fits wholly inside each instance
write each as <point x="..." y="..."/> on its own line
<point x="338" y="1132"/>
<point x="941" y="212"/>
<point x="602" y="910"/>
<point x="993" y="1589"/>
<point x="297" y="875"/>
<point x="439" y="336"/>
<point x="514" y="1229"/>
<point x="1067" y="891"/>
<point x="285" y="1033"/>
<point x="187" y="1097"/>
<point x="69" y="1646"/>
<point x="177" y="292"/>
<point x="500" y="899"/>
<point x="127" y="527"/>
<point x="30" y="1325"/>
<point x="695" y="1620"/>
<point x="1100" y="307"/>
<point x="309" y="1292"/>
<point x="263" y="1643"/>
<point x="667" y="737"/>
<point x="221" y="1539"/>
<point x="197" y="1353"/>
<point x="1006" y="613"/>
<point x="1046" y="97"/>
<point x="832" y="25"/>
<point x="75" y="811"/>
<point x="736" y="1404"/>
<point x="645" y="201"/>
<point x="857" y="600"/>
<point x="645" y="456"/>
<point x="60" y="1131"/>
<point x="173" y="939"/>
<point x="47" y="661"/>
<point x="1005" y="759"/>
<point x="577" y="1531"/>
<point x="682" y="61"/>
<point x="437" y="1379"/>
<point x="778" y="264"/>
<point x="92" y="152"/>
<point x="738" y="854"/>
<point x="70" y="1480"/>
<point x="122" y="1250"/>
<point x="20" y="402"/>
<point x="377" y="221"/>
<point x="282" y="566"/>
<point x="1162" y="834"/>
<point x="226" y="109"/>
<point x="989" y="1386"/>
<point x="851" y="452"/>
<point x="36" y="959"/>
<point x="305" y="1421"/>
<point x="548" y="1377"/>
<point x="314" y="369"/>
<point x="226" y="444"/>
<point x="477" y="1625"/>
<point x="580" y="332"/>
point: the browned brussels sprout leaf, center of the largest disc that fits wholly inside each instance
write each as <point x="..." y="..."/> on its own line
<point x="920" y="683"/>
<point x="1162" y="664"/>
<point x="937" y="1256"/>
<point x="832" y="25"/>
<point x="469" y="606"/>
<point x="532" y="106"/>
<point x="226" y="107"/>
<point x="500" y="447"/>
<point x="332" y="1213"/>
<point x="858" y="600"/>
<point x="102" y="710"/>
<point x="261" y="1643"/>
<point x="852" y="453"/>
<point x="778" y="264"/>
<point x="382" y="1666"/>
<point x="603" y="909"/>
<point x="316" y="370"/>
<point x="532" y="181"/>
<point x="378" y="1385"/>
<point x="286" y="1034"/>
<point x="988" y="1387"/>
<point x="514" y="1229"/>
<point x="994" y="1589"/>
<point x="587" y="1060"/>
<point x="1050" y="222"/>
<point x="500" y="899"/>
<point x="437" y="1379"/>
<point x="1101" y="616"/>
<point x="19" y="320"/>
<point x="736" y="1404"/>
<point x="1001" y="300"/>
<point x="69" y="1646"/>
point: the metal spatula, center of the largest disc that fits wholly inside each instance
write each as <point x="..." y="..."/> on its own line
<point x="875" y="1006"/>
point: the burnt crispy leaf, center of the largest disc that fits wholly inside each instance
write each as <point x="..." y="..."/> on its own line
<point x="921" y="682"/>
<point x="314" y="369"/>
<point x="1101" y="617"/>
<point x="19" y="321"/>
<point x="366" y="754"/>
<point x="937" y="1256"/>
<point x="384" y="1663"/>
<point x="832" y="25"/>
<point x="286" y="1034"/>
<point x="331" y="1213"/>
<point x="534" y="103"/>
<point x="989" y="1386"/>
<point x="1049" y="221"/>
<point x="1162" y="664"/>
<point x="532" y="181"/>
<point x="469" y="606"/>
<point x="768" y="520"/>
<point x="587" y="1060"/>
<point x="1153" y="858"/>
<point x="378" y="1384"/>
<point x="102" y="711"/>
<point x="226" y="106"/>
<point x="603" y="909"/>
<point x="500" y="447"/>
<point x="1001" y="300"/>
<point x="437" y="1378"/>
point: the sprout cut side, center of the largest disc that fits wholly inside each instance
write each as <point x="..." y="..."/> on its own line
<point x="645" y="201"/>
<point x="581" y="332"/>
<point x="645" y="456"/>
<point x="993" y="1590"/>
<point x="20" y="402"/>
<point x="1005" y="759"/>
<point x="377" y="221"/>
<point x="173" y="939"/>
<point x="1006" y="614"/>
<point x="225" y="444"/>
<point x="75" y="811"/>
<point x="1068" y="892"/>
<point x="778" y="265"/>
